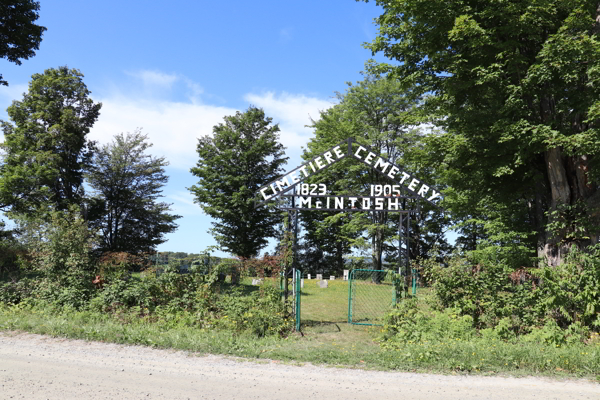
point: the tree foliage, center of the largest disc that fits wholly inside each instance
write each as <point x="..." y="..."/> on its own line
<point x="516" y="87"/>
<point x="128" y="183"/>
<point x="63" y="258"/>
<point x="46" y="149"/>
<point x="379" y="113"/>
<point x="242" y="155"/>
<point x="19" y="36"/>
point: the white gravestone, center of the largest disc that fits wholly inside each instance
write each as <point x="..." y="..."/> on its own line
<point x="257" y="282"/>
<point x="346" y="273"/>
<point x="319" y="277"/>
<point x="332" y="278"/>
<point x="302" y="283"/>
<point x="308" y="276"/>
<point x="322" y="284"/>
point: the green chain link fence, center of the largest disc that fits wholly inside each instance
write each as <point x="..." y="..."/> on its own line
<point x="371" y="294"/>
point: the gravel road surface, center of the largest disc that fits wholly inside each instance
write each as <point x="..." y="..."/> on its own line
<point x="39" y="367"/>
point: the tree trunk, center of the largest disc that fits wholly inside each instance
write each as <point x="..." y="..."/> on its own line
<point x="377" y="250"/>
<point x="560" y="194"/>
<point x="567" y="176"/>
<point x="339" y="256"/>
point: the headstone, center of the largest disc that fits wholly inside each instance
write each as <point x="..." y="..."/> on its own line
<point x="257" y="282"/>
<point x="332" y="278"/>
<point x="322" y="284"/>
<point x="346" y="273"/>
<point x="319" y="277"/>
<point x="302" y="283"/>
<point x="308" y="276"/>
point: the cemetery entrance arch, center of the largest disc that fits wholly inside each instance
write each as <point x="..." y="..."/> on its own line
<point x="291" y="194"/>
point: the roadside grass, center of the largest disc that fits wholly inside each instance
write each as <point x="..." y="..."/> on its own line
<point x="326" y="339"/>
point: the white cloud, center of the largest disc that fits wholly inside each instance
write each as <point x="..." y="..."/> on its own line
<point x="172" y="127"/>
<point x="12" y="92"/>
<point x="183" y="204"/>
<point x="293" y="112"/>
<point x="155" y="78"/>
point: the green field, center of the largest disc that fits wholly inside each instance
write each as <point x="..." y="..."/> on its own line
<point x="370" y="302"/>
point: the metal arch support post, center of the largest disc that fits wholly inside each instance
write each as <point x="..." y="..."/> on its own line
<point x="407" y="250"/>
<point x="296" y="271"/>
<point x="400" y="245"/>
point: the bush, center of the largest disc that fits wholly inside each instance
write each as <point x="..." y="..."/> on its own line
<point x="63" y="260"/>
<point x="112" y="266"/>
<point x="505" y="300"/>
<point x="407" y="323"/>
<point x="262" y="313"/>
<point x="489" y="286"/>
<point x="16" y="291"/>
<point x="570" y="292"/>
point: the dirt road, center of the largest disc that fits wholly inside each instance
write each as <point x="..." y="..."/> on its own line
<point x="38" y="367"/>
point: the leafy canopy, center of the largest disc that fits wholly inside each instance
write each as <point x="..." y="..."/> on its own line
<point x="242" y="155"/>
<point x="377" y="112"/>
<point x="516" y="86"/>
<point x="19" y="36"/>
<point x="46" y="149"/>
<point x="128" y="183"/>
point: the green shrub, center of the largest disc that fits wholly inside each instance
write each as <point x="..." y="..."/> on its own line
<point x="262" y="313"/>
<point x="570" y="292"/>
<point x="485" y="286"/>
<point x="63" y="260"/>
<point x="15" y="292"/>
<point x="407" y="323"/>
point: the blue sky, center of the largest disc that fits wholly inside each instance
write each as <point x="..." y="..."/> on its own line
<point x="177" y="68"/>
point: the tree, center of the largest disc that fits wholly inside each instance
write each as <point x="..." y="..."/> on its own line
<point x="19" y="36"/>
<point x="127" y="184"/>
<point x="242" y="155"/>
<point x="46" y="150"/>
<point x="376" y="112"/>
<point x="516" y="87"/>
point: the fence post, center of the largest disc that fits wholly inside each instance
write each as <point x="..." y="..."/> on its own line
<point x="350" y="278"/>
<point x="298" y="298"/>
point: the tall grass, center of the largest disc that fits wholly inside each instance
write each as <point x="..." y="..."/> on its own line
<point x="326" y="339"/>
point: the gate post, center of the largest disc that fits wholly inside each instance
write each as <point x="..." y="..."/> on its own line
<point x="350" y="278"/>
<point x="298" y="298"/>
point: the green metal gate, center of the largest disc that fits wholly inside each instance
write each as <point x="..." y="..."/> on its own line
<point x="371" y="294"/>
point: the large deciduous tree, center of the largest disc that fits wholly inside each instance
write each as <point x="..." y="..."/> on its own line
<point x="241" y="155"/>
<point x="376" y="112"/>
<point x="46" y="149"/>
<point x="19" y="36"/>
<point x="517" y="84"/>
<point x="128" y="183"/>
